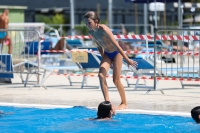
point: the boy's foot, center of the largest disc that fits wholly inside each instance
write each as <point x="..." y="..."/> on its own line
<point x="122" y="106"/>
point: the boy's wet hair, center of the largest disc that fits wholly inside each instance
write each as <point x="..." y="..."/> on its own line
<point x="104" y="109"/>
<point x="195" y="113"/>
<point x="92" y="15"/>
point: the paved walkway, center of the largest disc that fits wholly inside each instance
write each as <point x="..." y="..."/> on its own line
<point x="59" y="92"/>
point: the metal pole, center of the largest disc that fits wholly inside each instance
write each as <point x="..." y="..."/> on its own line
<point x="164" y="14"/>
<point x="156" y="25"/>
<point x="179" y="14"/>
<point x="155" y="33"/>
<point x="110" y="13"/>
<point x="180" y="27"/>
<point x="72" y="17"/>
<point x="145" y="18"/>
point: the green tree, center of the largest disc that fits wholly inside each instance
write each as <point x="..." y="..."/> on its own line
<point x="58" y="19"/>
<point x="82" y="29"/>
<point x="55" y="19"/>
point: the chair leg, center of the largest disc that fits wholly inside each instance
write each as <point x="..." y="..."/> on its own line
<point x="145" y="82"/>
<point x="182" y="84"/>
<point x="21" y="78"/>
<point x="44" y="76"/>
<point x="127" y="82"/>
<point x="70" y="81"/>
<point x="83" y="81"/>
<point x="25" y="83"/>
<point x="136" y="85"/>
<point x="156" y="84"/>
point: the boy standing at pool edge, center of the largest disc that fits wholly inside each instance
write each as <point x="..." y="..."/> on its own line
<point x="111" y="53"/>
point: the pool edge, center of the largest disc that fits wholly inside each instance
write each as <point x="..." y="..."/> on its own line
<point x="135" y="111"/>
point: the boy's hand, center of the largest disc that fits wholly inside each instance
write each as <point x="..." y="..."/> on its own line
<point x="132" y="63"/>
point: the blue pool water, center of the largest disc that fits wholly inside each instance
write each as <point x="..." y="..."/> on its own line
<point x="72" y="120"/>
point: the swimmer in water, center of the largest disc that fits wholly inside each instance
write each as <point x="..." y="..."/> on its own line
<point x="195" y="113"/>
<point x="112" y="54"/>
<point x="105" y="111"/>
<point x="3" y="114"/>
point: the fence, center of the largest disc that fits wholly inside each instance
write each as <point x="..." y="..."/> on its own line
<point x="22" y="46"/>
<point x="182" y="64"/>
<point x="169" y="60"/>
<point x="184" y="56"/>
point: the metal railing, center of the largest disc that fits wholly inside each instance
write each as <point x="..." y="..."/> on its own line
<point x="22" y="46"/>
<point x="183" y="63"/>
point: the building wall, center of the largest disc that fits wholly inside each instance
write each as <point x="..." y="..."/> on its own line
<point x="123" y="12"/>
<point x="16" y="15"/>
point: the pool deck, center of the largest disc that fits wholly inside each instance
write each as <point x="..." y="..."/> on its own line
<point x="59" y="92"/>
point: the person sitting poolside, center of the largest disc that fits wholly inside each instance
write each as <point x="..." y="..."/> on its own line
<point x="60" y="45"/>
<point x="105" y="111"/>
<point x="195" y="113"/>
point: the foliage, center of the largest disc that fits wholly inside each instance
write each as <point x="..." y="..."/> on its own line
<point x="55" y="19"/>
<point x="82" y="30"/>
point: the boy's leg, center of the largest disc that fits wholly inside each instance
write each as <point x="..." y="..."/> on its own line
<point x="117" y="65"/>
<point x="104" y="67"/>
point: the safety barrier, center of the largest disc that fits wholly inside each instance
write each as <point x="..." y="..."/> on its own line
<point x="21" y="47"/>
<point x="182" y="66"/>
<point x="158" y="56"/>
<point x="194" y="53"/>
<point x="134" y="77"/>
<point x="28" y="47"/>
<point x="145" y="37"/>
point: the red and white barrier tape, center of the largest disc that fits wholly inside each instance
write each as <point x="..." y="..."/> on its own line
<point x="130" y="52"/>
<point x="136" y="77"/>
<point x="144" y="37"/>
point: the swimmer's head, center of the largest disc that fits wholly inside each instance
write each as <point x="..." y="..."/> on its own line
<point x="91" y="20"/>
<point x="195" y="113"/>
<point x="105" y="110"/>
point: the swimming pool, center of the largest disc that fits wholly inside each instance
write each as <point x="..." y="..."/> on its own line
<point x="64" y="120"/>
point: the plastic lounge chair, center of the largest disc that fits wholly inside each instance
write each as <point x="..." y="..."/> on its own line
<point x="6" y="68"/>
<point x="74" y="43"/>
<point x="84" y="68"/>
<point x="92" y="64"/>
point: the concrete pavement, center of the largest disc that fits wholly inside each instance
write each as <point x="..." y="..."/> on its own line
<point x="174" y="99"/>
